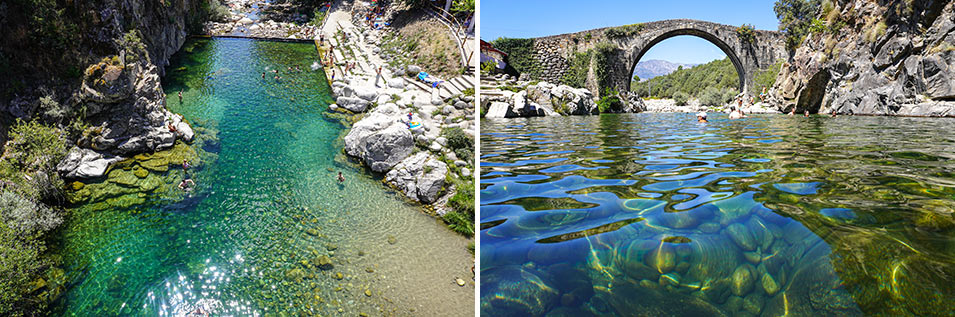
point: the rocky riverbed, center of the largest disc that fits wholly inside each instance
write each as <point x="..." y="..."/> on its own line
<point x="263" y="19"/>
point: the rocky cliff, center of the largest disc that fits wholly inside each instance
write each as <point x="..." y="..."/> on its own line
<point x="875" y="58"/>
<point x="97" y="64"/>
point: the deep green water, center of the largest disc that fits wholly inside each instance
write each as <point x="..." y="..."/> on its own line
<point x="655" y="214"/>
<point x="251" y="239"/>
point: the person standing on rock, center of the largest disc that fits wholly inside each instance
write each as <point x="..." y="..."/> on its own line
<point x="378" y="77"/>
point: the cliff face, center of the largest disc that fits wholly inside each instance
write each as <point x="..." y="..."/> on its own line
<point x="888" y="58"/>
<point x="96" y="62"/>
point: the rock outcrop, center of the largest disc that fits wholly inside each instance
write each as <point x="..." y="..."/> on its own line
<point x="542" y="99"/>
<point x="420" y="177"/>
<point x="889" y="58"/>
<point x="379" y="141"/>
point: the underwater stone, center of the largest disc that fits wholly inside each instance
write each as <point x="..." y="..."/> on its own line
<point x="140" y="172"/>
<point x="338" y="276"/>
<point x="709" y="227"/>
<point x="742" y="236"/>
<point x="392" y="239"/>
<point x="743" y="280"/>
<point x="662" y="259"/>
<point x="459" y="281"/>
<point x="515" y="291"/>
<point x="734" y="303"/>
<point x="769" y="284"/>
<point x="331" y="247"/>
<point x="368" y="293"/>
<point x="753" y="303"/>
<point x="323" y="262"/>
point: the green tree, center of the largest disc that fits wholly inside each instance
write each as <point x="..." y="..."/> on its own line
<point x="795" y="18"/>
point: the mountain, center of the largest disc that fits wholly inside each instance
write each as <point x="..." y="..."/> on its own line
<point x="652" y="68"/>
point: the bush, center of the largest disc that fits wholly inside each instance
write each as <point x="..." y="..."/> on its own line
<point x="681" y="98"/>
<point x="576" y="74"/>
<point x="27" y="218"/>
<point x="609" y="102"/>
<point x="20" y="264"/>
<point x="624" y="31"/>
<point x="711" y="97"/>
<point x="520" y="55"/>
<point x="30" y="161"/>
<point x="795" y="17"/>
<point x="746" y="33"/>
<point x="458" y="140"/>
<point x="460" y="223"/>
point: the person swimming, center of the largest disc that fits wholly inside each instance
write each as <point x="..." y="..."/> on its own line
<point x="187" y="184"/>
<point x="341" y="178"/>
<point x="701" y="117"/>
<point x="185" y="164"/>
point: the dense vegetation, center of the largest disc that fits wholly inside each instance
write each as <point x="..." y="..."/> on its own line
<point x="461" y="218"/>
<point x="520" y="56"/>
<point x="718" y="74"/>
<point x="28" y="182"/>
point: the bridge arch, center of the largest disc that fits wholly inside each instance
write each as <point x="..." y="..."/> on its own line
<point x="640" y="50"/>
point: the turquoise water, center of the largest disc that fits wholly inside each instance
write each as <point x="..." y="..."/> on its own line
<point x="655" y="214"/>
<point x="268" y="229"/>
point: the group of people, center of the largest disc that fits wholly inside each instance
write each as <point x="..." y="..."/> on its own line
<point x="186" y="184"/>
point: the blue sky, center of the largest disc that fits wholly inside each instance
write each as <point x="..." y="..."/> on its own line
<point x="534" y="18"/>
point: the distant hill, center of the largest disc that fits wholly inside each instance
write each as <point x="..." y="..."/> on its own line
<point x="719" y="74"/>
<point x="652" y="68"/>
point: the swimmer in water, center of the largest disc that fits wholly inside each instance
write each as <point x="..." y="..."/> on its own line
<point x="701" y="117"/>
<point x="341" y="178"/>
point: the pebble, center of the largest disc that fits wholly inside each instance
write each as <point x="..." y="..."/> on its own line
<point x="459" y="281"/>
<point x="743" y="280"/>
<point x="769" y="284"/>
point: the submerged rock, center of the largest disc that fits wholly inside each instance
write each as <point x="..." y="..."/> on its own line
<point x="743" y="280"/>
<point x="515" y="291"/>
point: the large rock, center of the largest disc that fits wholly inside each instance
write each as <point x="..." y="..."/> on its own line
<point x="380" y="141"/>
<point x="85" y="163"/>
<point x="353" y="104"/>
<point x="420" y="177"/>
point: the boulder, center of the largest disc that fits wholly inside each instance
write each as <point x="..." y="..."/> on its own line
<point x="420" y="177"/>
<point x="379" y="141"/>
<point x="82" y="163"/>
<point x="412" y="70"/>
<point x="356" y="105"/>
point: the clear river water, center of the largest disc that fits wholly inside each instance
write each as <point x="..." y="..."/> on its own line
<point x="655" y="214"/>
<point x="268" y="229"/>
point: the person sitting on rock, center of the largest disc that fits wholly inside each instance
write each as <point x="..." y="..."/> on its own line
<point x="341" y="178"/>
<point x="171" y="127"/>
<point x="187" y="184"/>
<point x="792" y="112"/>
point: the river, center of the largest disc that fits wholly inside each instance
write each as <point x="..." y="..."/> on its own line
<point x="268" y="228"/>
<point x="768" y="215"/>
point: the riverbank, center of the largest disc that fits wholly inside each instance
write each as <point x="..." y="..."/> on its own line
<point x="419" y="137"/>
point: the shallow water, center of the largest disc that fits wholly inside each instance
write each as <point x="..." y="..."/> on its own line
<point x="655" y="214"/>
<point x="267" y="210"/>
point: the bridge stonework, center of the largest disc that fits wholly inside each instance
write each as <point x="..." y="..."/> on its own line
<point x="749" y="57"/>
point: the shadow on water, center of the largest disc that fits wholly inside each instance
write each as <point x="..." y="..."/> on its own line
<point x="770" y="215"/>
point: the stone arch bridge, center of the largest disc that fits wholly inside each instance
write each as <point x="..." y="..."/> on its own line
<point x="749" y="54"/>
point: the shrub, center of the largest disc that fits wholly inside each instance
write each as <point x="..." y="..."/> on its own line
<point x="20" y="263"/>
<point x="458" y="140"/>
<point x="576" y="74"/>
<point x="711" y="97"/>
<point x="624" y="31"/>
<point x="746" y="33"/>
<point x="794" y="19"/>
<point x="680" y="98"/>
<point x="52" y="109"/>
<point x="27" y="218"/>
<point x="31" y="158"/>
<point x="609" y="102"/>
<point x="459" y="223"/>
